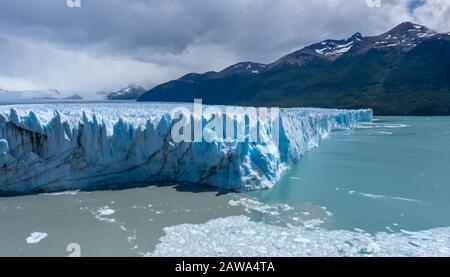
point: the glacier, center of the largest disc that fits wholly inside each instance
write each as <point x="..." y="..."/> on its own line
<point x="56" y="147"/>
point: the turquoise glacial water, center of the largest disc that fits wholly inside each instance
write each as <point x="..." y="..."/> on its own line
<point x="387" y="176"/>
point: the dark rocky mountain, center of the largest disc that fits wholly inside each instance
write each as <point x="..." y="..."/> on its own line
<point x="405" y="71"/>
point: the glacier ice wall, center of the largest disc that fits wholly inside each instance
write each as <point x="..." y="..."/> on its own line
<point x="54" y="147"/>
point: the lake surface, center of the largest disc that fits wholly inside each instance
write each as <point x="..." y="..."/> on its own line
<point x="390" y="177"/>
<point x="393" y="174"/>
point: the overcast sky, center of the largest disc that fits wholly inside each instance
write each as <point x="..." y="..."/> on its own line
<point x="108" y="44"/>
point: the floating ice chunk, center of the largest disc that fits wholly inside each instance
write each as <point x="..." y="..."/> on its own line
<point x="105" y="211"/>
<point x="36" y="237"/>
<point x="254" y="205"/>
<point x="69" y="192"/>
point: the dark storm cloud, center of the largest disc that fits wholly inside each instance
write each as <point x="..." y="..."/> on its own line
<point x="123" y="24"/>
<point x="174" y="25"/>
<point x="113" y="42"/>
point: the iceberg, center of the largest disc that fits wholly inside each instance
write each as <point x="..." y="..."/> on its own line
<point x="84" y="146"/>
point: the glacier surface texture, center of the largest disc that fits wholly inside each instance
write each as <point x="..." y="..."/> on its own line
<point x="56" y="147"/>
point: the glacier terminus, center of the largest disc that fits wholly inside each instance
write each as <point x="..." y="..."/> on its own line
<point x="57" y="147"/>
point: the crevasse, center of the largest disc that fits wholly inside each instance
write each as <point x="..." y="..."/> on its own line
<point x="55" y="147"/>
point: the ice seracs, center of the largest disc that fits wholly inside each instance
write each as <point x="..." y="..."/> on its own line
<point x="56" y="147"/>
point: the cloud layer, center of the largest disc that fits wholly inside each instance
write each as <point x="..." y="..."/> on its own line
<point x="107" y="44"/>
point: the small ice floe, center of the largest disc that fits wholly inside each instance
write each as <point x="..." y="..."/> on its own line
<point x="328" y="213"/>
<point x="252" y="205"/>
<point x="105" y="211"/>
<point x="349" y="191"/>
<point x="296" y="178"/>
<point x="71" y="192"/>
<point x="36" y="237"/>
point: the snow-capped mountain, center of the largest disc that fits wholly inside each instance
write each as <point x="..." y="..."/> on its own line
<point x="330" y="49"/>
<point x="131" y="92"/>
<point x="403" y="72"/>
<point x="244" y="68"/>
<point x="405" y="36"/>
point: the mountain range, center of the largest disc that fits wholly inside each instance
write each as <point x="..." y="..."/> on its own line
<point x="12" y="96"/>
<point x="131" y="92"/>
<point x="405" y="71"/>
